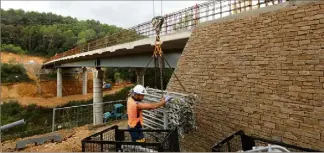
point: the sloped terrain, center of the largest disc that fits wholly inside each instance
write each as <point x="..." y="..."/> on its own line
<point x="43" y="92"/>
<point x="7" y="57"/>
<point x="48" y="101"/>
<point x="71" y="140"/>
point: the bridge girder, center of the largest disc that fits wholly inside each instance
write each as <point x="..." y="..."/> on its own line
<point x="125" y="61"/>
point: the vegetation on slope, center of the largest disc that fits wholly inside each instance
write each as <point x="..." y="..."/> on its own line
<point x="11" y="73"/>
<point x="128" y="74"/>
<point x="12" y="48"/>
<point x="46" y="34"/>
<point x="39" y="119"/>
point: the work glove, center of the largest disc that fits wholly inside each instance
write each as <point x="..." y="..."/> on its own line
<point x="168" y="98"/>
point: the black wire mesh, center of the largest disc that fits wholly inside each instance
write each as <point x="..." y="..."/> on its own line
<point x="242" y="142"/>
<point x="119" y="140"/>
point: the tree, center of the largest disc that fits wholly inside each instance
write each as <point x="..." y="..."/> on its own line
<point x="70" y="39"/>
<point x="88" y="34"/>
<point x="45" y="34"/>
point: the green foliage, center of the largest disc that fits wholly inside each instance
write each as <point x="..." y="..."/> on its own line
<point x="117" y="77"/>
<point x="11" y="73"/>
<point x="119" y="74"/>
<point x="128" y="74"/>
<point x="49" y="76"/>
<point x="39" y="119"/>
<point x="12" y="48"/>
<point x="109" y="75"/>
<point x="46" y="34"/>
<point x="87" y="35"/>
<point x="121" y="95"/>
<point x="36" y="119"/>
<point x="150" y="78"/>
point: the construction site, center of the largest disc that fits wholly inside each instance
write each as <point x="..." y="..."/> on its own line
<point x="246" y="76"/>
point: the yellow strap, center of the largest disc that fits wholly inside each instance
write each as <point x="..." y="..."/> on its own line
<point x="157" y="49"/>
<point x="141" y="140"/>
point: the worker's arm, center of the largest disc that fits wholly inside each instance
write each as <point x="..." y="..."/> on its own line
<point x="146" y="106"/>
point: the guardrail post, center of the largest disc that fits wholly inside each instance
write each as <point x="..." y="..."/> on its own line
<point x="166" y="24"/>
<point x="207" y="12"/>
<point x="214" y="7"/>
<point x="220" y="8"/>
<point x="53" y="120"/>
<point x="196" y="14"/>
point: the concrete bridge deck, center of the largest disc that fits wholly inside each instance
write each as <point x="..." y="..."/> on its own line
<point x="131" y="54"/>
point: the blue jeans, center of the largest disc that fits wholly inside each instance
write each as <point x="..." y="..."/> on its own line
<point x="138" y="133"/>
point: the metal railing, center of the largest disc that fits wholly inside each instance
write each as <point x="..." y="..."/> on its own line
<point x="185" y="19"/>
<point x="75" y="116"/>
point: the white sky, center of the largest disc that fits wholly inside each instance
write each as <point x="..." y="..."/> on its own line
<point x="120" y="13"/>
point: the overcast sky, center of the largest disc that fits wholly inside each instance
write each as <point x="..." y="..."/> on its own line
<point x="120" y="13"/>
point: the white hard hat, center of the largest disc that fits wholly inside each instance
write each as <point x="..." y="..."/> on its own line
<point x="139" y="89"/>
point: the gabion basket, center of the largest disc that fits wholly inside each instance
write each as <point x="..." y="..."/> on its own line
<point x="119" y="140"/>
<point x="240" y="142"/>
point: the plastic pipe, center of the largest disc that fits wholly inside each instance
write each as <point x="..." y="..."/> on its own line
<point x="8" y="126"/>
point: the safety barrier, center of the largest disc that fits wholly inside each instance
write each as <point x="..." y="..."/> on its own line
<point x="119" y="140"/>
<point x="75" y="116"/>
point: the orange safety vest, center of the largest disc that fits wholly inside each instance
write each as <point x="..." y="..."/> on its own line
<point x="134" y="115"/>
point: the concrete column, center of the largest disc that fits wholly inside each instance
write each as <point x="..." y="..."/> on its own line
<point x="97" y="97"/>
<point x="139" y="78"/>
<point x="84" y="81"/>
<point x="59" y="82"/>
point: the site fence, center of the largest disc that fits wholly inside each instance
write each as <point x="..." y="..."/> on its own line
<point x="75" y="116"/>
<point x="185" y="19"/>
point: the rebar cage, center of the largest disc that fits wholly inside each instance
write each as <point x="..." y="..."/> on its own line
<point x="239" y="141"/>
<point x="119" y="140"/>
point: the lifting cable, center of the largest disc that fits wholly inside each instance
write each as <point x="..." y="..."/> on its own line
<point x="158" y="56"/>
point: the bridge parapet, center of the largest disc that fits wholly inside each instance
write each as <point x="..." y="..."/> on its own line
<point x="185" y="19"/>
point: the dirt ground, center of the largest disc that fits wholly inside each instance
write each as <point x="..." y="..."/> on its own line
<point x="28" y="93"/>
<point x="11" y="93"/>
<point x="6" y="57"/>
<point x="71" y="140"/>
<point x="43" y="93"/>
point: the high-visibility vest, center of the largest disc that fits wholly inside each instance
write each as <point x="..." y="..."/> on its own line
<point x="134" y="115"/>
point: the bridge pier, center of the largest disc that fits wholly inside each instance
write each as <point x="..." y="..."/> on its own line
<point x="59" y="83"/>
<point x="97" y="97"/>
<point x="139" y="78"/>
<point x="84" y="81"/>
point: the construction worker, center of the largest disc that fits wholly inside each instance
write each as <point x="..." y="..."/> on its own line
<point x="134" y="111"/>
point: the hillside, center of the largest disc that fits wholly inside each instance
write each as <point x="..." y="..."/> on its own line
<point x="6" y="57"/>
<point x="46" y="34"/>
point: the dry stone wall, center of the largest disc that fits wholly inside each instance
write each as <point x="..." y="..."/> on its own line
<point x="261" y="73"/>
